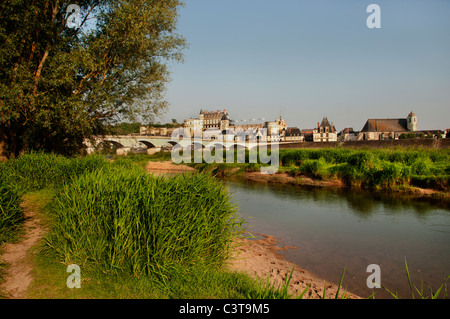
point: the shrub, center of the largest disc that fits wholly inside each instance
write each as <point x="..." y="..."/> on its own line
<point x="361" y="160"/>
<point x="388" y="175"/>
<point x="318" y="168"/>
<point x="421" y="166"/>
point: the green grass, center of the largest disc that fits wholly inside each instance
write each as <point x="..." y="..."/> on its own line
<point x="373" y="168"/>
<point x="11" y="215"/>
<point x="197" y="283"/>
<point x="32" y="172"/>
<point x="134" y="235"/>
<point x="383" y="169"/>
<point x="129" y="221"/>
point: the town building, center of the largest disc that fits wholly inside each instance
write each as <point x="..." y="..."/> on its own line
<point x="325" y="132"/>
<point x="307" y="134"/>
<point x="348" y="134"/>
<point x="294" y="134"/>
<point x="385" y="129"/>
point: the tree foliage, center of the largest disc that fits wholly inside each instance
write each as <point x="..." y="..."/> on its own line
<point x="60" y="85"/>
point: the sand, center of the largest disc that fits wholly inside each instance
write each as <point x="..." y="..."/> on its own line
<point x="18" y="274"/>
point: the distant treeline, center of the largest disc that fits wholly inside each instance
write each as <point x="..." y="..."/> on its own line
<point x="134" y="128"/>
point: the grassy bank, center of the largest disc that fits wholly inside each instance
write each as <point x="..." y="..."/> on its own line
<point x="399" y="169"/>
<point x="133" y="235"/>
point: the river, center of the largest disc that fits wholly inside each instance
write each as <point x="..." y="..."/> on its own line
<point x="335" y="229"/>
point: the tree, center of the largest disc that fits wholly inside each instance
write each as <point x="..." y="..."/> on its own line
<point x="124" y="128"/>
<point x="60" y="85"/>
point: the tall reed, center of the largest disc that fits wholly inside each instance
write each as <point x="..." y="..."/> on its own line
<point x="126" y="220"/>
<point x="34" y="171"/>
<point x="11" y="215"/>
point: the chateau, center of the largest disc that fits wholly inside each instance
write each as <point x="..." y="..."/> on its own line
<point x="215" y="122"/>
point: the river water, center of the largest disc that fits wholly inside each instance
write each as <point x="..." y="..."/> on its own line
<point x="334" y="230"/>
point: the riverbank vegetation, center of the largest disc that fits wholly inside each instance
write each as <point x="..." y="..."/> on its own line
<point x="386" y="169"/>
<point x="134" y="235"/>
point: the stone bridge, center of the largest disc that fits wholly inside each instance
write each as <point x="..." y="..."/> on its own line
<point x="153" y="144"/>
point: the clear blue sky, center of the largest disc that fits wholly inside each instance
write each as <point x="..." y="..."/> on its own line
<point x="307" y="59"/>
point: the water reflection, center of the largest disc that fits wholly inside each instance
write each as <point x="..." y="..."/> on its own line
<point x="337" y="228"/>
<point x="362" y="203"/>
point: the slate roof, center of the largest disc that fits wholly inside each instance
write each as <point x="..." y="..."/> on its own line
<point x="385" y="125"/>
<point x="293" y="131"/>
<point x="325" y="124"/>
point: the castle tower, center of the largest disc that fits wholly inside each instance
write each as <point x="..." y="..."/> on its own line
<point x="225" y="121"/>
<point x="411" y="121"/>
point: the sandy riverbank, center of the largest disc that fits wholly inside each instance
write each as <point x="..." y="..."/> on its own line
<point x="261" y="258"/>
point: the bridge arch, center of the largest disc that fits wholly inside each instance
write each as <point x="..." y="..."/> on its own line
<point x="173" y="143"/>
<point x="147" y="143"/>
<point x="113" y="143"/>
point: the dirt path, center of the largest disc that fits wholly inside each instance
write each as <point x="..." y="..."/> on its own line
<point x="18" y="275"/>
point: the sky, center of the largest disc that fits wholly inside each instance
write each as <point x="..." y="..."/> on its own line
<point x="309" y="59"/>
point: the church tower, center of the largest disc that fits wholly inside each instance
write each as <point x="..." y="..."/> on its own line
<point x="412" y="122"/>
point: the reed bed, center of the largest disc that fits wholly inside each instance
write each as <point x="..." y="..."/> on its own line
<point x="35" y="171"/>
<point x="365" y="168"/>
<point x="126" y="220"/>
<point x="11" y="215"/>
<point x="373" y="168"/>
<point x="117" y="218"/>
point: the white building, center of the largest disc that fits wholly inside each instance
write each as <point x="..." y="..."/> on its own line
<point x="325" y="132"/>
